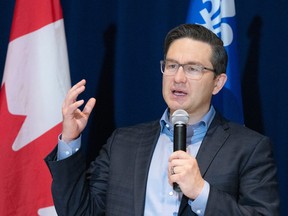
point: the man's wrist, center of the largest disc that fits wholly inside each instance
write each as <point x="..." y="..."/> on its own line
<point x="199" y="204"/>
<point x="65" y="150"/>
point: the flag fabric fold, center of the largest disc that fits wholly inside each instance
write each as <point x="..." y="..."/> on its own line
<point x="219" y="17"/>
<point x="35" y="81"/>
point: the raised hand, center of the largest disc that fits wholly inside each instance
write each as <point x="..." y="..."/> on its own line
<point x="75" y="120"/>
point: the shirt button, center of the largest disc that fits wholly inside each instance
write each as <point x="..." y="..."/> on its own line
<point x="198" y="211"/>
<point x="67" y="152"/>
<point x="76" y="149"/>
<point x="171" y="193"/>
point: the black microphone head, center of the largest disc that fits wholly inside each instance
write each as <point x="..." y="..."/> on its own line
<point x="180" y="116"/>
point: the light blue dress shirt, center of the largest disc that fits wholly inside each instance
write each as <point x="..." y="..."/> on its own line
<point x="161" y="199"/>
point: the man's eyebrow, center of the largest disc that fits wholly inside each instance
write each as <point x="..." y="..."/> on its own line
<point x="189" y="62"/>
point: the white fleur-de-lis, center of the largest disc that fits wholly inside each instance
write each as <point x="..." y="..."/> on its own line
<point x="223" y="9"/>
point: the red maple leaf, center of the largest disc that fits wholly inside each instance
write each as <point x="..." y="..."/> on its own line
<point x="25" y="183"/>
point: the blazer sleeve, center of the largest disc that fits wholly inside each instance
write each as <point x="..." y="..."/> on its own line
<point x="71" y="189"/>
<point x="257" y="186"/>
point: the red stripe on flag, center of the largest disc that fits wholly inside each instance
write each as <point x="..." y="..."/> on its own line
<point x="32" y="15"/>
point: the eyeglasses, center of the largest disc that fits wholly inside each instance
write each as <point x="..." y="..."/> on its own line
<point x="192" y="71"/>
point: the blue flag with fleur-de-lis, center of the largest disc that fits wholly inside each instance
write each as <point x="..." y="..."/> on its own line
<point x="219" y="17"/>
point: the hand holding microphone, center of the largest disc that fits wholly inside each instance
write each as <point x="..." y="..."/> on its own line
<point x="179" y="119"/>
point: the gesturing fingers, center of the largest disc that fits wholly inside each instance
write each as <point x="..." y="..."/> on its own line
<point x="73" y="93"/>
<point x="70" y="105"/>
<point x="75" y="119"/>
<point x="89" y="106"/>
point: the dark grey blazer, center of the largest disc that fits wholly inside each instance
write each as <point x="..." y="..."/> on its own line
<point x="236" y="161"/>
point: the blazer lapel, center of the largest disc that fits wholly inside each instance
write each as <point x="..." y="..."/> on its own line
<point x="211" y="144"/>
<point x="145" y="149"/>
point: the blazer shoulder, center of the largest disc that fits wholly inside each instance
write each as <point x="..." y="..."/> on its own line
<point x="245" y="131"/>
<point x="237" y="130"/>
<point x="140" y="128"/>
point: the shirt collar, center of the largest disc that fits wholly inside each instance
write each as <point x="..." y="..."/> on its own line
<point x="167" y="127"/>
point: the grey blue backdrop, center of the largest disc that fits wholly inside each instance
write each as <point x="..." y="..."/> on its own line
<point x="117" y="45"/>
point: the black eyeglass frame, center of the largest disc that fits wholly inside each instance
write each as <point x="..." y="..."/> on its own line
<point x="200" y="68"/>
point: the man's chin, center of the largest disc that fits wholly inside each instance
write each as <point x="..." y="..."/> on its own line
<point x="176" y="107"/>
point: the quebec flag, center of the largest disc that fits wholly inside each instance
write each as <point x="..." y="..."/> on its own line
<point x="219" y="17"/>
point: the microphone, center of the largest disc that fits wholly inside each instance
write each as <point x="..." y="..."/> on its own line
<point x="179" y="119"/>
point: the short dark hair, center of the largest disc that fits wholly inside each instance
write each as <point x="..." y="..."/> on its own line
<point x="219" y="57"/>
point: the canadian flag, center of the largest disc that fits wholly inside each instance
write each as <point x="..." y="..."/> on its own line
<point x="35" y="81"/>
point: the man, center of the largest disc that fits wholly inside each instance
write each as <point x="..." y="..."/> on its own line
<point x="227" y="169"/>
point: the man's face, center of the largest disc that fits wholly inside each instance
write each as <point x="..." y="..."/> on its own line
<point x="181" y="92"/>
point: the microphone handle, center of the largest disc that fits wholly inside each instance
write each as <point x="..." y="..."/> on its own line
<point x="179" y="144"/>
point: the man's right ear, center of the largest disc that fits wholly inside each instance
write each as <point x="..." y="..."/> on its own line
<point x="219" y="82"/>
